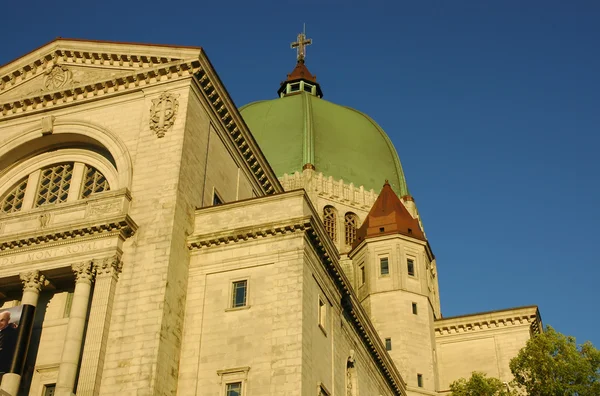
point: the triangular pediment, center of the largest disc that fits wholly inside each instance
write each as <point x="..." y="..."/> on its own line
<point x="67" y="64"/>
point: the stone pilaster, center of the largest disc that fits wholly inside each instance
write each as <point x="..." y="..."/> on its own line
<point x="67" y="371"/>
<point x="94" y="351"/>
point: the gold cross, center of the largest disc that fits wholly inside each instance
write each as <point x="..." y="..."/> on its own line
<point x="301" y="44"/>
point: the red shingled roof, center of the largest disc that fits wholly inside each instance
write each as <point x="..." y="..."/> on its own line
<point x="389" y="216"/>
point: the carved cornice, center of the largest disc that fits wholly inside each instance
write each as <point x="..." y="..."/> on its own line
<point x="83" y="272"/>
<point x="495" y="320"/>
<point x="138" y="78"/>
<point x="32" y="281"/>
<point x="124" y="225"/>
<point x="78" y="57"/>
<point x="249" y="233"/>
<point x="233" y="123"/>
<point x="108" y="266"/>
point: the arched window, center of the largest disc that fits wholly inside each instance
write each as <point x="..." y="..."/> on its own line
<point x="53" y="184"/>
<point x="330" y="221"/>
<point x="350" y="225"/>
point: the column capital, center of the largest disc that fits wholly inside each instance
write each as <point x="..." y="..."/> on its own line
<point x="83" y="272"/>
<point x="32" y="281"/>
<point x="108" y="266"/>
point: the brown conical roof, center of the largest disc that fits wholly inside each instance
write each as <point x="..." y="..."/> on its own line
<point x="301" y="72"/>
<point x="389" y="216"/>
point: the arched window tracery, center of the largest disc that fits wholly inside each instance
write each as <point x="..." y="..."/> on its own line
<point x="54" y="183"/>
<point x="330" y="221"/>
<point x="12" y="201"/>
<point x="350" y="226"/>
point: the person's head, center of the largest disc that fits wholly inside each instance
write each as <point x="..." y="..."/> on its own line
<point x="4" y="319"/>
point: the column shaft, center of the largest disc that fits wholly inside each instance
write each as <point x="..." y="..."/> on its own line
<point x="32" y="285"/>
<point x="67" y="370"/>
<point x="96" y="340"/>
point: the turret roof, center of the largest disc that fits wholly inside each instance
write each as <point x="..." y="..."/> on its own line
<point x="389" y="216"/>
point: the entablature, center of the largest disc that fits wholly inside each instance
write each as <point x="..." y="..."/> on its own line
<point x="492" y="320"/>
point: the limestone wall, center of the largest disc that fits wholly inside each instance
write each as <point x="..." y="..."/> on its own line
<point x="483" y="342"/>
<point x="279" y="343"/>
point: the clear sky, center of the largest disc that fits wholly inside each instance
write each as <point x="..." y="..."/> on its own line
<point x="493" y="106"/>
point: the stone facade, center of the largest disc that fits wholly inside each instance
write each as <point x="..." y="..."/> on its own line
<point x="137" y="206"/>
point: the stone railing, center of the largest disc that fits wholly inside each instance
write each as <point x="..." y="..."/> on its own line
<point x="329" y="187"/>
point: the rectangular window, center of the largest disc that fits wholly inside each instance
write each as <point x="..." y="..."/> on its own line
<point x="234" y="389"/>
<point x="322" y="313"/>
<point x="361" y="270"/>
<point x="388" y="344"/>
<point x="414" y="308"/>
<point x="384" y="266"/>
<point x="49" y="389"/>
<point x="420" y="380"/>
<point x="410" y="264"/>
<point x="240" y="289"/>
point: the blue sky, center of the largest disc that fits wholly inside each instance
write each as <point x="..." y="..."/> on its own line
<point x="494" y="108"/>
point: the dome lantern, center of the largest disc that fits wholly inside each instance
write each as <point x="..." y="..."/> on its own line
<point x="300" y="79"/>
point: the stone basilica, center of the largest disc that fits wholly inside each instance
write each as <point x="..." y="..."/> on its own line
<point x="157" y="240"/>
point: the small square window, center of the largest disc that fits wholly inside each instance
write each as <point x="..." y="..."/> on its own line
<point x="384" y="266"/>
<point x="322" y="313"/>
<point x="410" y="264"/>
<point x="388" y="344"/>
<point x="414" y="308"/>
<point x="240" y="289"/>
<point x="420" y="380"/>
<point x="234" y="389"/>
<point x="49" y="389"/>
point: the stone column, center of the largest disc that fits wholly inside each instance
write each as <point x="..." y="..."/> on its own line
<point x="32" y="285"/>
<point x="67" y="370"/>
<point x="96" y="339"/>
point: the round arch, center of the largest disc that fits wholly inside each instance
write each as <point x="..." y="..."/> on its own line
<point x="68" y="135"/>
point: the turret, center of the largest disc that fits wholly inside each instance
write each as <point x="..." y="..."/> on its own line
<point x="397" y="285"/>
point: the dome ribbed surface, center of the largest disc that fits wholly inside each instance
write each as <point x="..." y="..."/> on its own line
<point x="339" y="141"/>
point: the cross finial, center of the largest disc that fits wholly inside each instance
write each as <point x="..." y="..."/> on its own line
<point x="301" y="44"/>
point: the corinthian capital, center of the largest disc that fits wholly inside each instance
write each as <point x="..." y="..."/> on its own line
<point x="32" y="281"/>
<point x="108" y="266"/>
<point x="83" y="271"/>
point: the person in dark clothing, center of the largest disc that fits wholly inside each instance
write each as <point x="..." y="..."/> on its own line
<point x="8" y="341"/>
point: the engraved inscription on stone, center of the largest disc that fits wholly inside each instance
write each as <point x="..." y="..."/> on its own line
<point x="162" y="113"/>
<point x="57" y="252"/>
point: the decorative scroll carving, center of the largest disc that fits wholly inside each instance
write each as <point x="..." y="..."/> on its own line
<point x="57" y="77"/>
<point x="108" y="266"/>
<point x="163" y="112"/>
<point x="83" y="271"/>
<point x="33" y="281"/>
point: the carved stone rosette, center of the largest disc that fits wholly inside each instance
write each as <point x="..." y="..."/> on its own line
<point x="83" y="272"/>
<point x="32" y="281"/>
<point x="108" y="266"/>
<point x="163" y="112"/>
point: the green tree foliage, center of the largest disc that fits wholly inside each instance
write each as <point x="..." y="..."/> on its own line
<point x="479" y="385"/>
<point x="551" y="364"/>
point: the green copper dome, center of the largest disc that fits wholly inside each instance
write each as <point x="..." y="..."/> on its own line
<point x="302" y="130"/>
